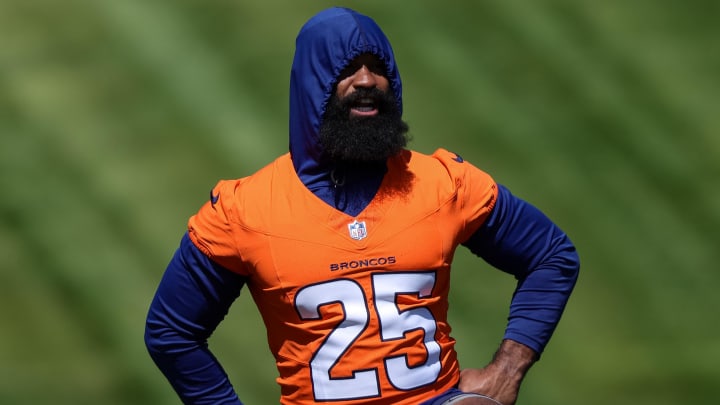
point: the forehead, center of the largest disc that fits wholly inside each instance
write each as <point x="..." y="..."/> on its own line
<point x="368" y="59"/>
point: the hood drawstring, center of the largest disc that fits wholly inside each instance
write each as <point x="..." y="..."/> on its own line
<point x="353" y="186"/>
<point x="338" y="180"/>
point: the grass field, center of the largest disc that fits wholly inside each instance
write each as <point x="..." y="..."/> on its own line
<point x="117" y="116"/>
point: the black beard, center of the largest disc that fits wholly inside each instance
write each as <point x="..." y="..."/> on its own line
<point x="362" y="139"/>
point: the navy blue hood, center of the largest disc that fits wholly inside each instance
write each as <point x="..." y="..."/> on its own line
<point x="325" y="45"/>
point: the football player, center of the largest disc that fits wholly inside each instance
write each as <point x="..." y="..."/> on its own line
<point x="346" y="244"/>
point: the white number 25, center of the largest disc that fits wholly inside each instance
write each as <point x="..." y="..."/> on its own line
<point x="394" y="324"/>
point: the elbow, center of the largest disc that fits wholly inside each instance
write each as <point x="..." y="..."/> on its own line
<point x="153" y="339"/>
<point x="161" y="339"/>
<point x="165" y="340"/>
<point x="570" y="267"/>
<point x="574" y="260"/>
<point x="565" y="259"/>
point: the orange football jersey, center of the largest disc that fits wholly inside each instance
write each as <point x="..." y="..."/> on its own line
<point x="355" y="307"/>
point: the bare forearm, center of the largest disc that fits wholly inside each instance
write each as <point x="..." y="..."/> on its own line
<point x="514" y="359"/>
<point x="501" y="378"/>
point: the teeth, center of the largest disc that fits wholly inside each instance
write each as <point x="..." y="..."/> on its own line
<point x="366" y="102"/>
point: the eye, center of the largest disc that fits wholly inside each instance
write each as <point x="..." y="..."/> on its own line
<point x="348" y="71"/>
<point x="371" y="61"/>
<point x="377" y="67"/>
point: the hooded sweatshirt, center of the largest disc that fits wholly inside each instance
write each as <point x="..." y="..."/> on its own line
<point x="326" y="44"/>
<point x="198" y="287"/>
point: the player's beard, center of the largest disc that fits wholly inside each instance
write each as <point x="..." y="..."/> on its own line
<point x="353" y="140"/>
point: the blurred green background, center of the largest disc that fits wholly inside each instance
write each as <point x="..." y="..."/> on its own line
<point x="118" y="116"/>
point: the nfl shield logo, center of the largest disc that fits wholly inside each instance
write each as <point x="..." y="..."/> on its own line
<point x="357" y="230"/>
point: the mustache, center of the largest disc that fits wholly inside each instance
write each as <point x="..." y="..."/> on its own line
<point x="362" y="139"/>
<point x="365" y="92"/>
<point x="383" y="100"/>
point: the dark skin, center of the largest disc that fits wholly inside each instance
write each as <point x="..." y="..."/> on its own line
<point x="501" y="378"/>
<point x="365" y="71"/>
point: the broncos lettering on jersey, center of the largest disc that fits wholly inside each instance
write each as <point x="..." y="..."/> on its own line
<point x="354" y="306"/>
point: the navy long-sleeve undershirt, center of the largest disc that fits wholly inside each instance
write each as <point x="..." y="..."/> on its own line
<point x="195" y="294"/>
<point x="519" y="239"/>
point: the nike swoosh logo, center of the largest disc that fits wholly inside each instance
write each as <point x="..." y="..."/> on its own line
<point x="458" y="158"/>
<point x="214" y="197"/>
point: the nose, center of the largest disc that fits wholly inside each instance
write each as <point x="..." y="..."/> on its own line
<point x="364" y="78"/>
